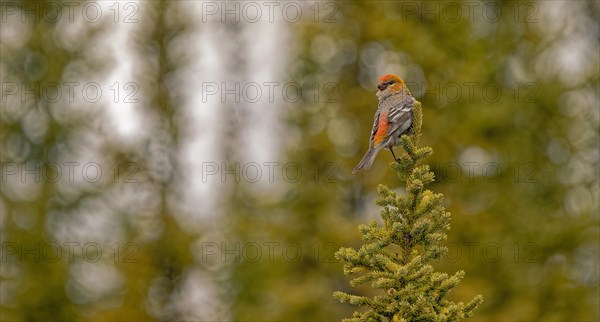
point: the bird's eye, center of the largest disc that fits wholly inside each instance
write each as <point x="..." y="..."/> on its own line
<point x="390" y="82"/>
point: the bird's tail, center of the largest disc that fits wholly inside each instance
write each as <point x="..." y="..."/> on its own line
<point x="368" y="159"/>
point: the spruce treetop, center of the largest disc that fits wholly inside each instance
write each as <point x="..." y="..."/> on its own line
<point x="395" y="256"/>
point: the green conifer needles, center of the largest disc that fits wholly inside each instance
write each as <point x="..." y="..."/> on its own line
<point x="395" y="256"/>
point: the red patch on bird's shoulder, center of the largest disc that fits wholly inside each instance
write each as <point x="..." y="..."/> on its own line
<point x="382" y="128"/>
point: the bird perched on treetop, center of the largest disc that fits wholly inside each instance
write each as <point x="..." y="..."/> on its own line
<point x="392" y="118"/>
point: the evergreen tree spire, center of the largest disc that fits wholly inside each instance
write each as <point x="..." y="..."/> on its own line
<point x="395" y="257"/>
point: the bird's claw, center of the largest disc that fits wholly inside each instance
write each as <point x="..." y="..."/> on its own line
<point x="394" y="155"/>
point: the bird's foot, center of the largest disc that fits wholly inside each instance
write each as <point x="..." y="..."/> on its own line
<point x="394" y="155"/>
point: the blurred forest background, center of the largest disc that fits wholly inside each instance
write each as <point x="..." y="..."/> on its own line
<point x="148" y="173"/>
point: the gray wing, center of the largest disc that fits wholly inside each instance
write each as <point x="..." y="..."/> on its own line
<point x="375" y="126"/>
<point x="400" y="116"/>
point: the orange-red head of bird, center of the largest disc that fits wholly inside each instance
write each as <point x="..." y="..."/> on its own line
<point x="391" y="81"/>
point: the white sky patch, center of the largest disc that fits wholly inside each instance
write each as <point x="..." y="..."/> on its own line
<point x="572" y="51"/>
<point x="205" y="125"/>
<point x="201" y="146"/>
<point x="263" y="142"/>
<point x="206" y="85"/>
<point x="122" y="90"/>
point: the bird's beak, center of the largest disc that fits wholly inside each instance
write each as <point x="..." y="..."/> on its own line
<point x="382" y="87"/>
